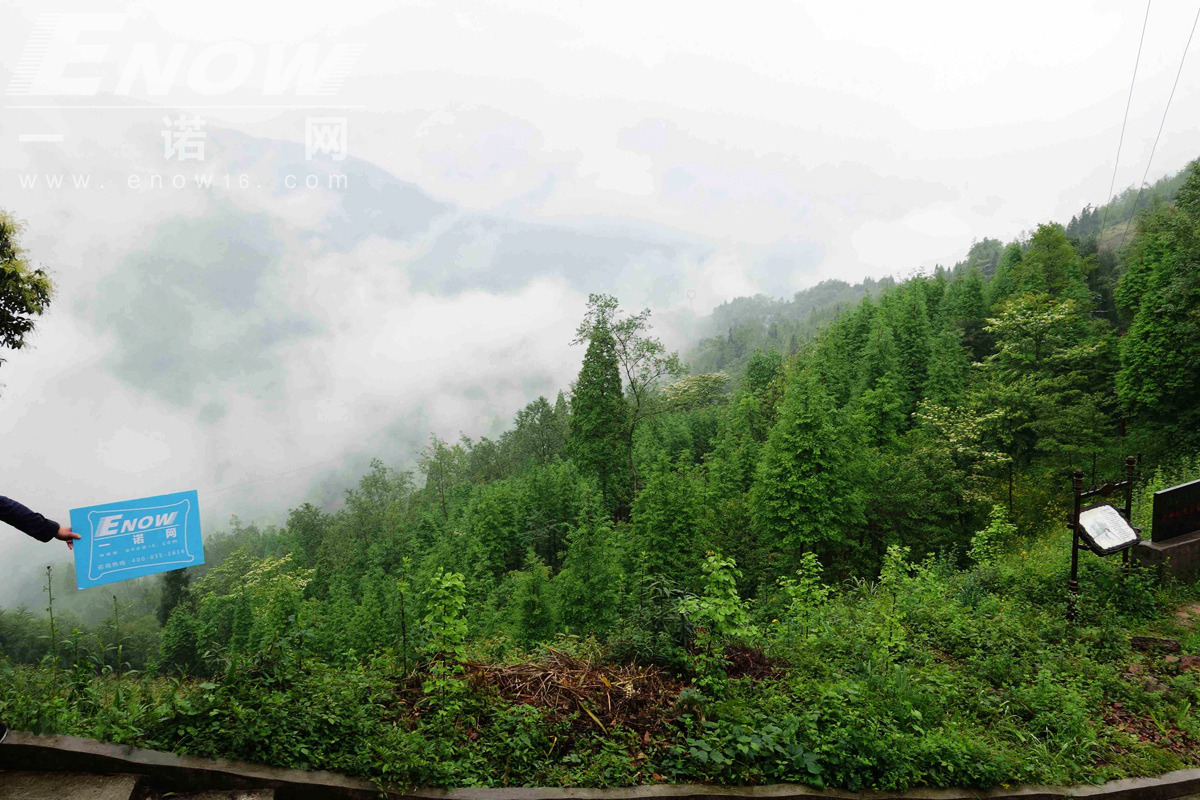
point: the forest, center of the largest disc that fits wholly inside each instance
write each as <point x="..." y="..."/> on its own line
<point x="827" y="546"/>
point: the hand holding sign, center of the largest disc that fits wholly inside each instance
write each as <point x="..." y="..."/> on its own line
<point x="67" y="535"/>
<point x="119" y="541"/>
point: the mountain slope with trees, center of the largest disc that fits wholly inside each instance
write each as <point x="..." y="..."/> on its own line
<point x="844" y="564"/>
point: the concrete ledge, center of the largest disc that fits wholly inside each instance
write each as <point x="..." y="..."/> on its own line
<point x="29" y="752"/>
<point x="1179" y="556"/>
<point x="40" y="785"/>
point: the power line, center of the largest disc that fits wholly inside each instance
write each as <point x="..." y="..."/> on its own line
<point x="1154" y="147"/>
<point x="1124" y="121"/>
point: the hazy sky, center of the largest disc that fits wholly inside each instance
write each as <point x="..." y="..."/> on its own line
<point x="505" y="159"/>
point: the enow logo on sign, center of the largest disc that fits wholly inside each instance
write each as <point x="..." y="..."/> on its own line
<point x="137" y="537"/>
<point x="108" y="525"/>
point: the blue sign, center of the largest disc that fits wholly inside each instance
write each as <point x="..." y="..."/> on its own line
<point x="136" y="537"/>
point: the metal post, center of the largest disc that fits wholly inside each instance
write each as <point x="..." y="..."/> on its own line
<point x="1073" y="583"/>
<point x="1130" y="467"/>
<point x="1130" y="464"/>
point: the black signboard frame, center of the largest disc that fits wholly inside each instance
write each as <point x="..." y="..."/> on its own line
<point x="1176" y="512"/>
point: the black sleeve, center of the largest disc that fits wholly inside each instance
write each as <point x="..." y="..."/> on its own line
<point x="27" y="521"/>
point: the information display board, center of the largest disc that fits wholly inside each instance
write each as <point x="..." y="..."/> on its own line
<point x="139" y="537"/>
<point x="1106" y="531"/>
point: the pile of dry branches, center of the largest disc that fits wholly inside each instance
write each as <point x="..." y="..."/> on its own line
<point x="639" y="698"/>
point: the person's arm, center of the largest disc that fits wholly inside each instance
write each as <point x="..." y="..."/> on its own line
<point x="28" y="521"/>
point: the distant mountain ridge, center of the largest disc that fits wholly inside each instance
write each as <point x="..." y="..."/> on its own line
<point x="738" y="327"/>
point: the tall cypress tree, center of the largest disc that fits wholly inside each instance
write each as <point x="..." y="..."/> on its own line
<point x="1003" y="284"/>
<point x="911" y="327"/>
<point x="532" y="608"/>
<point x="879" y="357"/>
<point x="599" y="419"/>
<point x="550" y="499"/>
<point x="934" y="289"/>
<point x="966" y="310"/>
<point x="882" y="398"/>
<point x="588" y="584"/>
<point x="175" y="590"/>
<point x="837" y="352"/>
<point x="1052" y="265"/>
<point x="1160" y="356"/>
<point x="754" y="404"/>
<point x="947" y="370"/>
<point x="492" y="520"/>
<point x="808" y="493"/>
<point x="667" y="524"/>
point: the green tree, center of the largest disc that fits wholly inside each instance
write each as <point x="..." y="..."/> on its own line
<point x="909" y="321"/>
<point x="1043" y="380"/>
<point x="719" y="616"/>
<point x="491" y="519"/>
<point x="881" y="397"/>
<point x="444" y="468"/>
<point x="533" y="613"/>
<point x="588" y="586"/>
<point x="983" y="257"/>
<point x="307" y="527"/>
<point x="1004" y="283"/>
<point x="1052" y="265"/>
<point x="643" y="361"/>
<point x="989" y="543"/>
<point x="934" y="289"/>
<point x="966" y="311"/>
<point x="666" y="522"/>
<point x="719" y="610"/>
<point x="539" y="433"/>
<point x="754" y="404"/>
<point x="946" y="380"/>
<point x="599" y="420"/>
<point x="809" y="491"/>
<point x="179" y="647"/>
<point x="445" y="627"/>
<point x="1160" y="291"/>
<point x="696" y="391"/>
<point x="175" y="591"/>
<point x="550" y="497"/>
<point x="24" y="292"/>
<point x="839" y="351"/>
<point x="729" y="473"/>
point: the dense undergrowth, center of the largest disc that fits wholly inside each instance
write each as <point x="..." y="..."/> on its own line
<point x="930" y="675"/>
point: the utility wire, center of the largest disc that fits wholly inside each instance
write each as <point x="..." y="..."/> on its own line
<point x="1154" y="147"/>
<point x="1124" y="121"/>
